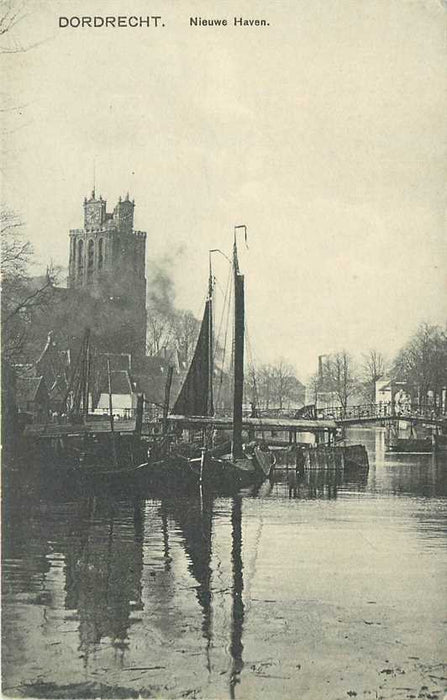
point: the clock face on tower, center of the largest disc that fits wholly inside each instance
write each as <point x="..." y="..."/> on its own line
<point x="92" y="216"/>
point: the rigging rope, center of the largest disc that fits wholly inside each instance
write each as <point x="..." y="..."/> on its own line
<point x="252" y="364"/>
<point x="227" y="310"/>
<point x="224" y="307"/>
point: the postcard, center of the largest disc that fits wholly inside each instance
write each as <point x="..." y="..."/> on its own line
<point x="224" y="349"/>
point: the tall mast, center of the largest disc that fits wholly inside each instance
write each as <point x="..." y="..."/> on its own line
<point x="112" y="429"/>
<point x="239" y="322"/>
<point x="87" y="361"/>
<point x="210" y="342"/>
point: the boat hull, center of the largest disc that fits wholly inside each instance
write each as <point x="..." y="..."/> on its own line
<point x="215" y="472"/>
<point x="119" y="476"/>
<point x="411" y="445"/>
<point x="355" y="457"/>
<point x="240" y="472"/>
<point x="440" y="443"/>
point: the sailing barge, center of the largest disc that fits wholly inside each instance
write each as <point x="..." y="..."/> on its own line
<point x="230" y="464"/>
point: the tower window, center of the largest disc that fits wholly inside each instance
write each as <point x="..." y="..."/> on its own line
<point x="80" y="256"/>
<point x="90" y="257"/>
<point x="100" y="254"/>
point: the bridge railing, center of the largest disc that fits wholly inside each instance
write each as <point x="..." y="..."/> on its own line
<point x="381" y="410"/>
<point x="370" y="410"/>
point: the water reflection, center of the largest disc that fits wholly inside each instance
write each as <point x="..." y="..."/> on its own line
<point x="317" y="483"/>
<point x="156" y="586"/>
<point x="194" y="518"/>
<point x="420" y="475"/>
<point x="103" y="565"/>
<point x="237" y="617"/>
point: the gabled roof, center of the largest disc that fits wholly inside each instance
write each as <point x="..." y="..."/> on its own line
<point x="152" y="365"/>
<point x="25" y="370"/>
<point x="38" y="282"/>
<point x="59" y="388"/>
<point x="52" y="357"/>
<point x="28" y="387"/>
<point x="118" y="361"/>
<point x="386" y="384"/>
<point x="44" y="283"/>
<point x="120" y="383"/>
<point x="153" y="387"/>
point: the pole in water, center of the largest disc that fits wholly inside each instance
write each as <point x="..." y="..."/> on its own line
<point x="202" y="463"/>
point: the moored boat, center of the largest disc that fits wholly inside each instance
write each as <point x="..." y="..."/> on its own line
<point x="439" y="443"/>
<point x="403" y="436"/>
<point x="122" y="477"/>
<point x="355" y="457"/>
<point x="243" y="464"/>
<point x="411" y="445"/>
<point x="226" y="472"/>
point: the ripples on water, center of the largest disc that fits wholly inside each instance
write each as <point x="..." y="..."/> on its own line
<point x="339" y="591"/>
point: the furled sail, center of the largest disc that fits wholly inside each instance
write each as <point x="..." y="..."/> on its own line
<point x="195" y="398"/>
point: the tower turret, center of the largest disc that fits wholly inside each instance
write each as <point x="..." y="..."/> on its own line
<point x="108" y="257"/>
<point x="123" y="214"/>
<point x="94" y="211"/>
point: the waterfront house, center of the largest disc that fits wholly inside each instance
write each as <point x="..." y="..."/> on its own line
<point x="32" y="398"/>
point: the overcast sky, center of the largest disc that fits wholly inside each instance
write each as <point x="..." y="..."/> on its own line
<point x="325" y="133"/>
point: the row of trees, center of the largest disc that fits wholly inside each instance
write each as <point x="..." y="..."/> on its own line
<point x="421" y="365"/>
<point x="30" y="308"/>
<point x="175" y="330"/>
<point x="274" y="386"/>
<point x="342" y="377"/>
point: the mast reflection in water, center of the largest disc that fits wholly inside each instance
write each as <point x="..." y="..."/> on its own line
<point x="194" y="517"/>
<point x="238" y="587"/>
<point x="257" y="595"/>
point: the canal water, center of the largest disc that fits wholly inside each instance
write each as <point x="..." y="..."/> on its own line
<point x="340" y="592"/>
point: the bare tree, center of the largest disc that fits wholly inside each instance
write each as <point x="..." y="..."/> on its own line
<point x="373" y="368"/>
<point x="12" y="14"/>
<point x="21" y="295"/>
<point x="259" y="385"/>
<point x="422" y="363"/>
<point x="341" y="376"/>
<point x="314" y="387"/>
<point x="274" y="384"/>
<point x="251" y="385"/>
<point x="16" y="252"/>
<point x="184" y="331"/>
<point x="265" y="385"/>
<point x="158" y="331"/>
<point x="284" y="382"/>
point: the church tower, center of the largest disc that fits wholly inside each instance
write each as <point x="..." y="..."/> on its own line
<point x="107" y="259"/>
